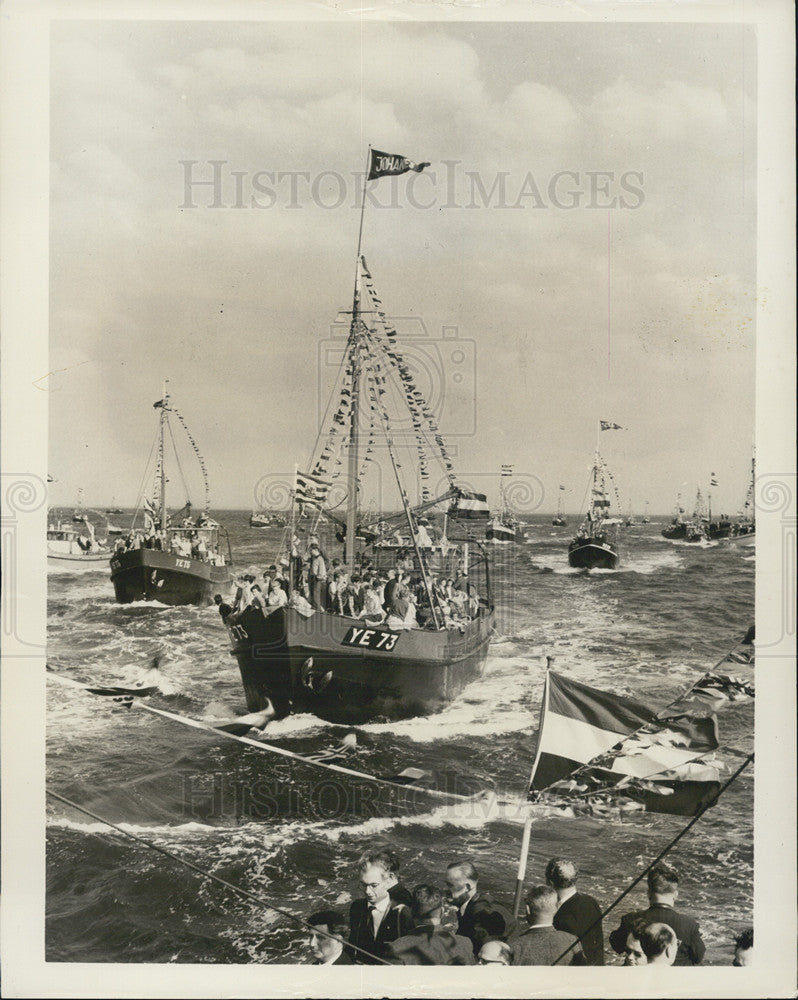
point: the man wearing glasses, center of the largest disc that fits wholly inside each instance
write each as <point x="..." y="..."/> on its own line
<point x="383" y="915"/>
<point x="495" y="953"/>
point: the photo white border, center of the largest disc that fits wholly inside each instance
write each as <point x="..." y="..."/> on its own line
<point x="24" y="251"/>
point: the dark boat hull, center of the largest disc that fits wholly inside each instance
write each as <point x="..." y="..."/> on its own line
<point x="675" y="532"/>
<point x="152" y="575"/>
<point x="593" y="552"/>
<point x="351" y="681"/>
<point x="558" y="522"/>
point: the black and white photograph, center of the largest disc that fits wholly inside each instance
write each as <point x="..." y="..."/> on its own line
<point x="398" y="500"/>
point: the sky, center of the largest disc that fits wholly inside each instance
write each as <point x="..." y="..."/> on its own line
<point x="582" y="246"/>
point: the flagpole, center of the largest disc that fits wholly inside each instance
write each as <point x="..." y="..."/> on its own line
<point x="519" y="882"/>
<point x="352" y="470"/>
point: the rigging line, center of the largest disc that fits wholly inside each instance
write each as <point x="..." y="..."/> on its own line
<point x="335" y="392"/>
<point x="140" y="494"/>
<point x="282" y="752"/>
<point x="177" y="459"/>
<point x="184" y="425"/>
<point x="669" y="847"/>
<point x="245" y="893"/>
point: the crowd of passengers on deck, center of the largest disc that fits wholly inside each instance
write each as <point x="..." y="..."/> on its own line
<point x="396" y="598"/>
<point x="188" y="541"/>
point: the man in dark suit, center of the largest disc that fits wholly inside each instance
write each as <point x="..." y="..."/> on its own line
<point x="663" y="889"/>
<point x="429" y="943"/>
<point x="463" y="890"/>
<point x="328" y="950"/>
<point x="384" y="914"/>
<point x="542" y="943"/>
<point x="577" y="913"/>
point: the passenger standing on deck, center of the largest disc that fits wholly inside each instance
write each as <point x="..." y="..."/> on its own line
<point x="577" y="913"/>
<point x="390" y="587"/>
<point x="383" y="915"/>
<point x="429" y="943"/>
<point x="542" y="943"/>
<point x="317" y="577"/>
<point x="663" y="890"/>
<point x="463" y="890"/>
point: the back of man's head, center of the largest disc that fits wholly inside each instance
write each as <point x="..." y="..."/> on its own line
<point x="663" y="881"/>
<point x="495" y="953"/>
<point x="427" y="902"/>
<point x="659" y="944"/>
<point x="336" y="923"/>
<point x="489" y="925"/>
<point x="561" y="873"/>
<point x="541" y="904"/>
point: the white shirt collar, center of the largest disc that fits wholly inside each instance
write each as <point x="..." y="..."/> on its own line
<point x="534" y="926"/>
<point x="336" y="956"/>
<point x="382" y="905"/>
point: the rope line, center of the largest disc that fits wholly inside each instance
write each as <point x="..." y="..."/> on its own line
<point x="658" y="858"/>
<point x="245" y="893"/>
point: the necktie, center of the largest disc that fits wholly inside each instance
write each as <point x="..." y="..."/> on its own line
<point x="373" y="920"/>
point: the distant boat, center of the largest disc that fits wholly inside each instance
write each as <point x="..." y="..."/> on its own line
<point x="629" y="521"/>
<point x="695" y="530"/>
<point x="677" y="529"/>
<point x="559" y="520"/>
<point x="745" y="525"/>
<point x="503" y="526"/>
<point x="646" y="519"/>
<point x="68" y="548"/>
<point x="175" y="564"/>
<point x="596" y="543"/>
<point x="259" y="519"/>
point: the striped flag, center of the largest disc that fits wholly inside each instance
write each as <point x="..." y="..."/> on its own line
<point x="311" y="489"/>
<point x="470" y="506"/>
<point x="579" y="723"/>
<point x="660" y="762"/>
<point x="607" y="425"/>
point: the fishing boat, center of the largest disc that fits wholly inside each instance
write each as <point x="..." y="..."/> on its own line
<point x="596" y="543"/>
<point x="646" y="519"/>
<point x="177" y="559"/>
<point x="69" y="548"/>
<point x="301" y="656"/>
<point x="259" y="519"/>
<point x="629" y="520"/>
<point x="745" y="525"/>
<point x="113" y="509"/>
<point x="677" y="529"/>
<point x="559" y="521"/>
<point x="695" y="528"/>
<point x="503" y="527"/>
<point x="720" y="527"/>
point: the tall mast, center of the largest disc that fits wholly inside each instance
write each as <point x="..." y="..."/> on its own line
<point x="164" y="405"/>
<point x="354" y="349"/>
